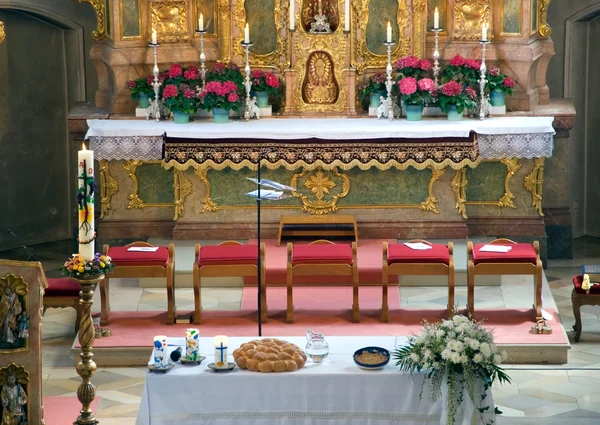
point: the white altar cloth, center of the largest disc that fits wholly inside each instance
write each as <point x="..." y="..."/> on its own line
<point x="335" y="392"/>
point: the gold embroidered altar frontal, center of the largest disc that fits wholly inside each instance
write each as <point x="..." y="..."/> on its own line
<point x="456" y="153"/>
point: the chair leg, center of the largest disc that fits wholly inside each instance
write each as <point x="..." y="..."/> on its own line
<point x="171" y="308"/>
<point x="197" y="296"/>
<point x="263" y="294"/>
<point x="384" y="295"/>
<point x="538" y="292"/>
<point x="104" y="301"/>
<point x="471" y="289"/>
<point x="355" y="304"/>
<point x="451" y="291"/>
<point x="577" y="313"/>
<point x="290" y="296"/>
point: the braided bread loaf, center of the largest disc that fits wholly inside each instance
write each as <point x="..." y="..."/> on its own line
<point x="269" y="355"/>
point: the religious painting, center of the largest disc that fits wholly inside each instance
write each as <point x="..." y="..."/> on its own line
<point x="441" y="7"/>
<point x="131" y="23"/>
<point x="312" y="8"/>
<point x="14" y="319"/>
<point x="511" y="17"/>
<point x="14" y="381"/>
<point x="534" y="15"/>
<point x="260" y="17"/>
<point x="320" y="85"/>
<point x="169" y="20"/>
<point x="209" y="13"/>
<point x="380" y="13"/>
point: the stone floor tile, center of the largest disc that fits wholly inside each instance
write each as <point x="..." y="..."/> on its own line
<point x="119" y="396"/>
<point x="544" y="381"/>
<point x="573" y="389"/>
<point x="524" y="403"/>
<point x="552" y="410"/>
<point x="508" y="412"/>
<point x="546" y="395"/>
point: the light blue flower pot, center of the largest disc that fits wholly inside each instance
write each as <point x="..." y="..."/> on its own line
<point x="181" y="117"/>
<point x="414" y="112"/>
<point x="375" y="99"/>
<point x="453" y="115"/>
<point x="497" y="98"/>
<point x="262" y="99"/>
<point x="143" y="100"/>
<point x="220" y="115"/>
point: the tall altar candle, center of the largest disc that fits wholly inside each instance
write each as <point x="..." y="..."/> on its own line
<point x="436" y="19"/>
<point x="247" y="34"/>
<point x="484" y="32"/>
<point x="201" y="23"/>
<point x="292" y="15"/>
<point x="221" y="352"/>
<point x="154" y="37"/>
<point x="347" y="16"/>
<point x="85" y="167"/>
<point x="389" y="33"/>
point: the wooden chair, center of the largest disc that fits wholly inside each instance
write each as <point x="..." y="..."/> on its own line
<point x="230" y="258"/>
<point x="522" y="259"/>
<point x="322" y="258"/>
<point x="135" y="264"/>
<point x="63" y="292"/>
<point x="579" y="297"/>
<point x="400" y="260"/>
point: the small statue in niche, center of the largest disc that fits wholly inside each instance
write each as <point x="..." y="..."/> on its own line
<point x="14" y="320"/>
<point x="13" y="395"/>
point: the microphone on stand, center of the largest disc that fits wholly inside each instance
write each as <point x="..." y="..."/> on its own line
<point x="176" y="354"/>
<point x="30" y="256"/>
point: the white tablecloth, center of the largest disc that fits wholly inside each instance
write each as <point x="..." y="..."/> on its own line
<point x="335" y="392"/>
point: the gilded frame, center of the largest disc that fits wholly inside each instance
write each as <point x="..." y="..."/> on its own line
<point x="20" y="287"/>
<point x="108" y="187"/>
<point x="533" y="183"/>
<point x="217" y="23"/>
<point x="511" y="34"/>
<point x="543" y="28"/>
<point x="131" y="37"/>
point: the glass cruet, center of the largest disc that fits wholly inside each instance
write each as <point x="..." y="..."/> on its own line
<point x="316" y="346"/>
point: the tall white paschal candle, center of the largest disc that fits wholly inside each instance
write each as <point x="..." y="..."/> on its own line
<point x="292" y="15"/>
<point x="85" y="160"/>
<point x="247" y="34"/>
<point x="436" y="19"/>
<point x="221" y="352"/>
<point x="389" y="33"/>
<point x="347" y="16"/>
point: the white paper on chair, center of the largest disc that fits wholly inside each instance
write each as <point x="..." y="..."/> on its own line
<point x="268" y="194"/>
<point x="142" y="249"/>
<point x="546" y="315"/>
<point x="420" y="246"/>
<point x="495" y="248"/>
<point x="271" y="184"/>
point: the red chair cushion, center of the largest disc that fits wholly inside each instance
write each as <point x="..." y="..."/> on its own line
<point x="577" y="281"/>
<point x="62" y="287"/>
<point x="520" y="253"/>
<point x="121" y="257"/>
<point x="322" y="254"/>
<point x="214" y="255"/>
<point x="400" y="253"/>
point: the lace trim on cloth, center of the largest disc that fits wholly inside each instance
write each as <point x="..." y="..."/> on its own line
<point x="248" y="416"/>
<point x="144" y="148"/>
<point x="529" y="145"/>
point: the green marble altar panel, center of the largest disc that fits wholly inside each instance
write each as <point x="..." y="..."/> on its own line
<point x="511" y="17"/>
<point x="389" y="187"/>
<point x="130" y="19"/>
<point x="380" y="13"/>
<point x="155" y="184"/>
<point x="208" y="10"/>
<point x="486" y="182"/>
<point x="260" y="15"/>
<point x="431" y="5"/>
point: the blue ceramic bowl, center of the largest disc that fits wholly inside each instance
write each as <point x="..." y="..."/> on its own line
<point x="371" y="350"/>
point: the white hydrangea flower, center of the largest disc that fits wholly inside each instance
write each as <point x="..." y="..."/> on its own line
<point x="436" y="365"/>
<point x="427" y="354"/>
<point x="459" y="346"/>
<point x="455" y="357"/>
<point x="485" y="349"/>
<point x="448" y="324"/>
<point x="473" y="343"/>
<point x="478" y="358"/>
<point x="440" y="333"/>
<point x="446" y="353"/>
<point x="497" y="358"/>
<point x="414" y="357"/>
<point x="463" y="358"/>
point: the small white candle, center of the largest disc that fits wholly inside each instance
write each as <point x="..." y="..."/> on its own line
<point x="347" y="16"/>
<point x="201" y="23"/>
<point x="292" y="15"/>
<point x="154" y="37"/>
<point x="436" y="19"/>
<point x="484" y="32"/>
<point x="247" y="34"/>
<point x="85" y="160"/>
<point x="389" y="32"/>
<point x="221" y="351"/>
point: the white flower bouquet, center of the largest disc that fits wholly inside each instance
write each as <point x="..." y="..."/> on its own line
<point x="459" y="353"/>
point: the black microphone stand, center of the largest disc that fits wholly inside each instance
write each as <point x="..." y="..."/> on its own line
<point x="258" y="257"/>
<point x="30" y="256"/>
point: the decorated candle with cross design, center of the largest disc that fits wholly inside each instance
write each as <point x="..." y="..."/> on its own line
<point x="221" y="352"/>
<point x="85" y="202"/>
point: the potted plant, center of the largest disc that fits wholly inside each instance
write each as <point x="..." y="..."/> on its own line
<point x="179" y="92"/>
<point x="141" y="90"/>
<point x="220" y="98"/>
<point x="498" y="86"/>
<point x="465" y="71"/>
<point x="454" y="98"/>
<point x="227" y="72"/>
<point x="412" y="66"/>
<point x="373" y="88"/>
<point x="416" y="94"/>
<point x="264" y="84"/>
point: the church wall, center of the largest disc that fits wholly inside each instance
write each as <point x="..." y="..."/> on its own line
<point x="592" y="207"/>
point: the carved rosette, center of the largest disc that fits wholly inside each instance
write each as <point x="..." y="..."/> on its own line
<point x="100" y="10"/>
<point x="543" y="27"/>
<point x="469" y="16"/>
<point x="319" y="185"/>
<point x="169" y="19"/>
<point x="108" y="187"/>
<point x="533" y="183"/>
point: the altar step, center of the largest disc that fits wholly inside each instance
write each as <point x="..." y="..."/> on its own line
<point x="184" y="259"/>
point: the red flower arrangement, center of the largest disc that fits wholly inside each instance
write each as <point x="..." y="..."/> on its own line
<point x="224" y="95"/>
<point x="374" y="84"/>
<point x="140" y="86"/>
<point x="496" y="81"/>
<point x="411" y="66"/>
<point x="226" y="72"/>
<point x="462" y="70"/>
<point x="454" y="93"/>
<point x="265" y="82"/>
<point x="417" y="92"/>
<point x="179" y="88"/>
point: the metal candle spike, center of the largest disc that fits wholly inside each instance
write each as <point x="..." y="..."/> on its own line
<point x="202" y="58"/>
<point x="154" y="109"/>
<point x="482" y="81"/>
<point x="436" y="57"/>
<point x="252" y="110"/>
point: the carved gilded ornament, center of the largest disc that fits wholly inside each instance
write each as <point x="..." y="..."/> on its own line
<point x="469" y="17"/>
<point x="533" y="183"/>
<point x="208" y="205"/>
<point x="543" y="27"/>
<point x="100" y="10"/>
<point x="418" y="27"/>
<point x="276" y="58"/>
<point x="319" y="185"/>
<point x="108" y="187"/>
<point x="169" y="20"/>
<point x="2" y="33"/>
<point x="14" y="302"/>
<point x="224" y="29"/>
<point x="430" y="203"/>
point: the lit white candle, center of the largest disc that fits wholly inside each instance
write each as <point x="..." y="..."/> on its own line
<point x="292" y="15"/>
<point x="347" y="16"/>
<point x="85" y="167"/>
<point x="221" y="352"/>
<point x="247" y="34"/>
<point x="436" y="19"/>
<point x="389" y="32"/>
<point x="154" y="37"/>
<point x="201" y="23"/>
<point x="484" y="32"/>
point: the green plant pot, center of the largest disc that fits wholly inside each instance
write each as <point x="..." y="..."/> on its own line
<point x="262" y="99"/>
<point x="453" y="115"/>
<point x="220" y="115"/>
<point x="143" y="100"/>
<point x="181" y="117"/>
<point x="497" y="98"/>
<point x="414" y="112"/>
<point x="375" y="99"/>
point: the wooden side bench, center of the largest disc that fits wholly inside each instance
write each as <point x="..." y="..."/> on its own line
<point x="317" y="226"/>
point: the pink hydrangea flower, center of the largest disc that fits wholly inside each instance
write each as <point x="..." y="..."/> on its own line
<point x="410" y="62"/>
<point x="472" y="63"/>
<point x="457" y="60"/>
<point x="408" y="85"/>
<point x="219" y="68"/>
<point x="189" y="93"/>
<point x="509" y="82"/>
<point x="150" y="79"/>
<point x="232" y="97"/>
<point x="452" y="88"/>
<point x="258" y="74"/>
<point x="427" y="84"/>
<point x="471" y="93"/>
<point x="379" y="78"/>
<point x="170" y="91"/>
<point x="131" y="84"/>
<point x="424" y="64"/>
<point x="175" y="70"/>
<point x="191" y="73"/>
<point x="162" y="76"/>
<point x="272" y="80"/>
<point x="494" y="71"/>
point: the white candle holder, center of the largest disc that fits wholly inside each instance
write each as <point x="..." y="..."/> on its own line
<point x="154" y="108"/>
<point x="251" y="110"/>
<point x="202" y="58"/>
<point x="436" y="57"/>
<point x="482" y="80"/>
<point x="386" y="108"/>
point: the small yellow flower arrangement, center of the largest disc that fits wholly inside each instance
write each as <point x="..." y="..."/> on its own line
<point x="77" y="267"/>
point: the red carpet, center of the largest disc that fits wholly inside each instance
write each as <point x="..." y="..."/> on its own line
<point x="64" y="410"/>
<point x="369" y="255"/>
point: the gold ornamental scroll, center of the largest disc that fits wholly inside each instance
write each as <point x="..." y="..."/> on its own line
<point x="100" y="11"/>
<point x="169" y="19"/>
<point x="2" y="33"/>
<point x="469" y="17"/>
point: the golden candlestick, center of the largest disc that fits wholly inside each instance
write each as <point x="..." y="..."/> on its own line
<point x="86" y="366"/>
<point x="2" y="33"/>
